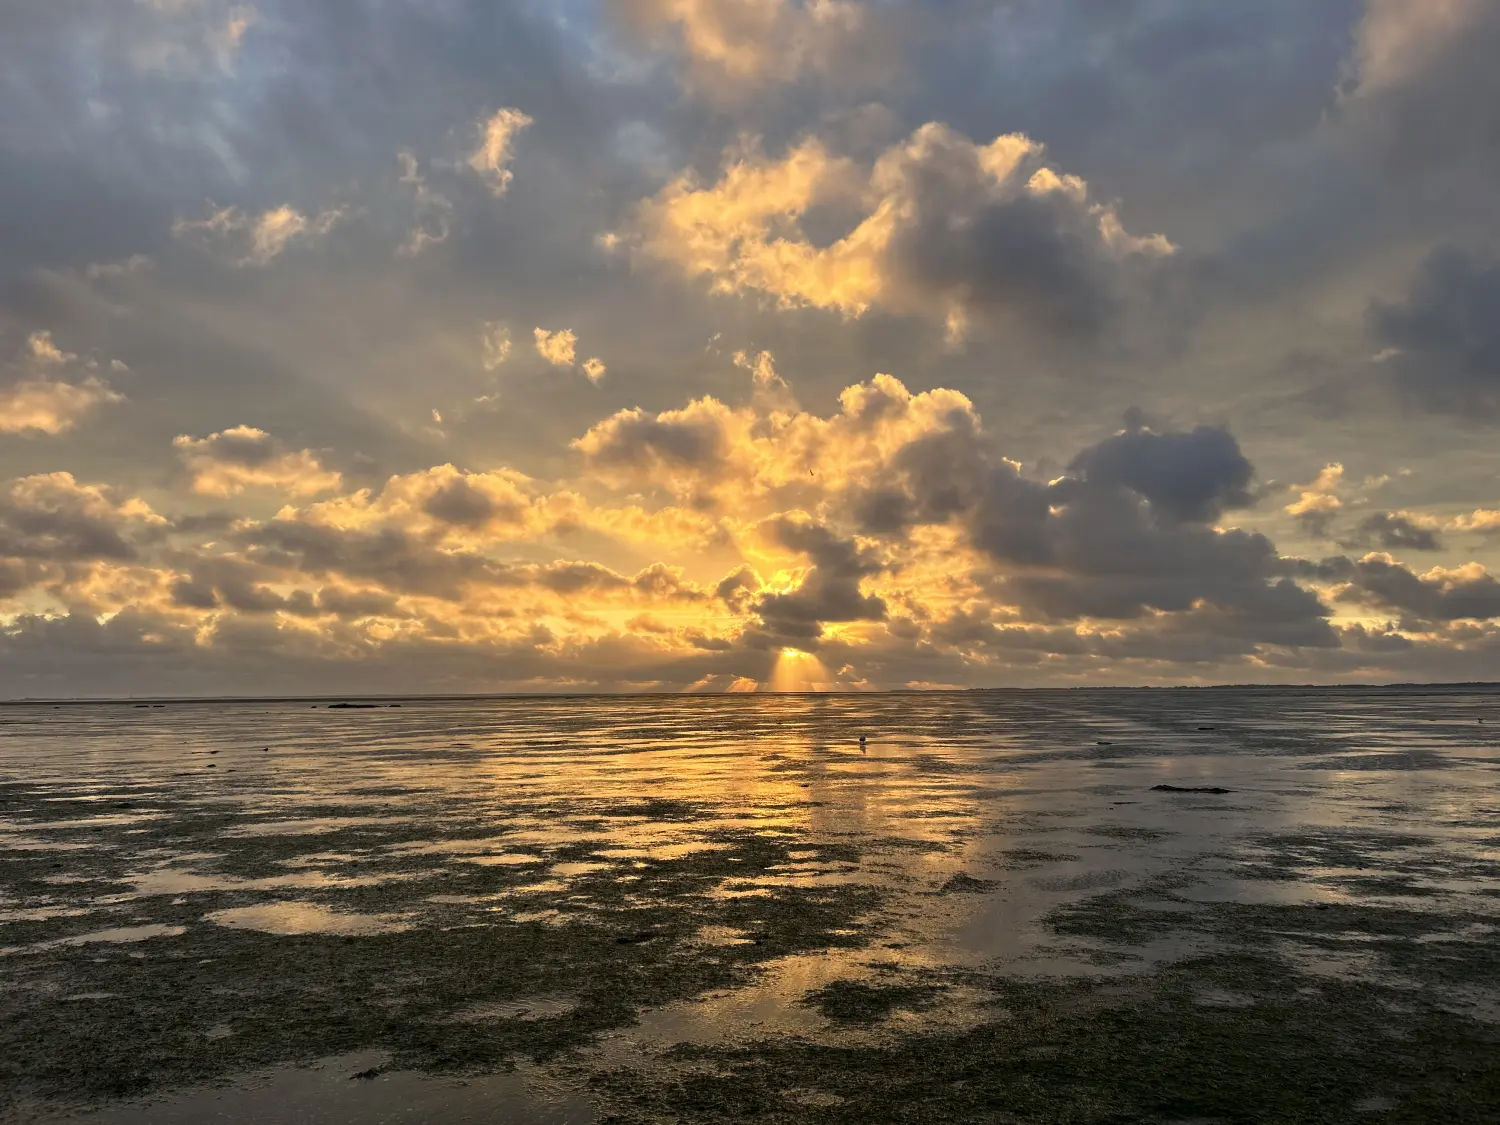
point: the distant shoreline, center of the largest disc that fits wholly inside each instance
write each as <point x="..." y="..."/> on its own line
<point x="325" y="700"/>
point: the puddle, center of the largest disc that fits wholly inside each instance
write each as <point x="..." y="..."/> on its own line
<point x="327" y="1093"/>
<point x="305" y="918"/>
<point x="536" y="1008"/>
<point x="312" y="826"/>
<point x="180" y="881"/>
<point x="516" y="860"/>
<point x="117" y="935"/>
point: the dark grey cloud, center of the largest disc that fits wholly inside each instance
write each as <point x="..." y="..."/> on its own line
<point x="227" y="582"/>
<point x="51" y="518"/>
<point x="1392" y="531"/>
<point x="829" y="592"/>
<point x="1454" y="596"/>
<point x="1444" y="335"/>
<point x="1425" y="90"/>
<point x="1189" y="477"/>
<point x="459" y="502"/>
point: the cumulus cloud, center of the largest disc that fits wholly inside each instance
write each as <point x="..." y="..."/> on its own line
<point x="49" y="407"/>
<point x="558" y="348"/>
<point x="1398" y="531"/>
<point x="492" y="157"/>
<point x="1193" y="476"/>
<point x="1442" y="594"/>
<point x="828" y="592"/>
<point x="1443" y="338"/>
<point x="937" y="226"/>
<point x="55" y="518"/>
<point x="1318" y="501"/>
<point x="36" y="401"/>
<point x="228" y="462"/>
<point x="1485" y="521"/>
<point x="256" y="240"/>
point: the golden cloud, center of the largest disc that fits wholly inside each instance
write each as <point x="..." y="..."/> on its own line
<point x="228" y="462"/>
<point x="39" y="402"/>
<point x="256" y="240"/>
<point x="938" y="226"/>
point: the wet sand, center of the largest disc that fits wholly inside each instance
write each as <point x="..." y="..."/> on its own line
<point x="696" y="909"/>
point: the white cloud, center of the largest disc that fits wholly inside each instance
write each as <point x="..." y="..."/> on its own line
<point x="491" y="159"/>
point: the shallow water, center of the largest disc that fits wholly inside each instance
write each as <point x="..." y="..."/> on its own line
<point x="581" y="884"/>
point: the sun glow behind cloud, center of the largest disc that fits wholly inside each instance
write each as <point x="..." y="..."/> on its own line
<point x="798" y="671"/>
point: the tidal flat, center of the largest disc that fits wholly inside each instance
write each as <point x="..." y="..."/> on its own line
<point x="700" y="909"/>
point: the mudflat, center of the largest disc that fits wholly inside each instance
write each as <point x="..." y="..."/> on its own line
<point x="1032" y="906"/>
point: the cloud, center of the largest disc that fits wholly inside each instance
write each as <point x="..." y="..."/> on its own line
<point x="1444" y="336"/>
<point x="683" y="450"/>
<point x="38" y="402"/>
<point x="938" y="226"/>
<point x="558" y="348"/>
<point x="1424" y="86"/>
<point x="228" y="462"/>
<point x="1442" y="594"/>
<point x="1193" y="476"/>
<point x="494" y="342"/>
<point x="1398" y="531"/>
<point x="256" y="240"/>
<point x="432" y="210"/>
<point x="491" y="159"/>
<point x="1485" y="521"/>
<point x="829" y="591"/>
<point x="49" y="407"/>
<point x="746" y="43"/>
<point x="55" y="518"/>
<point x="1318" y="502"/>
<point x="594" y="368"/>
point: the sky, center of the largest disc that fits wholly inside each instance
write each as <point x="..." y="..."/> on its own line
<point x="400" y="346"/>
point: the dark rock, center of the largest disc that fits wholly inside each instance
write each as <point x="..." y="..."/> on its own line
<point x="1189" y="789"/>
<point x="366" y="1075"/>
<point x="636" y="939"/>
<point x="1104" y="744"/>
<point x="1208" y="728"/>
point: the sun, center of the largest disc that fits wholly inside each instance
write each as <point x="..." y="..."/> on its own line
<point x="798" y="671"/>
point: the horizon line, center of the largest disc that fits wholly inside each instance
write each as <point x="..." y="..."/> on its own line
<point x="440" y="697"/>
